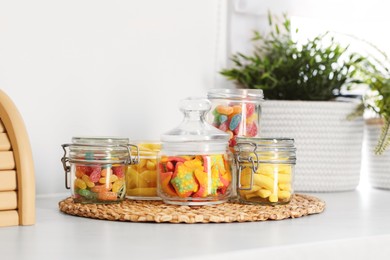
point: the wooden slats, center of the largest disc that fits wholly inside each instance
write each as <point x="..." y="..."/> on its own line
<point x="8" y="181"/>
<point x="18" y="158"/>
<point x="7" y="161"/>
<point x="9" y="218"/>
<point x="5" y="145"/>
<point x="8" y="200"/>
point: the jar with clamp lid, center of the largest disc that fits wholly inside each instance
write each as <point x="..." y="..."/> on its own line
<point x="236" y="112"/>
<point x="195" y="162"/>
<point x="97" y="167"/>
<point x="265" y="170"/>
<point x="141" y="178"/>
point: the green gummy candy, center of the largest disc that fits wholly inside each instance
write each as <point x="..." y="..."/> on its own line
<point x="87" y="194"/>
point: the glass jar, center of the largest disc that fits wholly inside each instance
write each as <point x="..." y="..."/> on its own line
<point x="236" y="112"/>
<point x="97" y="167"/>
<point x="265" y="170"/>
<point x="195" y="162"/>
<point x="141" y="178"/>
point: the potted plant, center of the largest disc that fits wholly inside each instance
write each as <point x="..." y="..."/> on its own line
<point x="377" y="126"/>
<point x="303" y="84"/>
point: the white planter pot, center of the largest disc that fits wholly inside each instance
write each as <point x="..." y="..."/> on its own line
<point x="378" y="166"/>
<point x="328" y="145"/>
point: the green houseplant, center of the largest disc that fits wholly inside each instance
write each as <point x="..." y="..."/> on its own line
<point x="308" y="77"/>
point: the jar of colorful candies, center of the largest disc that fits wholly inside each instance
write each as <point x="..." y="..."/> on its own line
<point x="265" y="170"/>
<point x="195" y="162"/>
<point x="236" y="112"/>
<point x="141" y="178"/>
<point x="97" y="167"/>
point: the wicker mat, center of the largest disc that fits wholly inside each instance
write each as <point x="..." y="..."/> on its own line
<point x="157" y="211"/>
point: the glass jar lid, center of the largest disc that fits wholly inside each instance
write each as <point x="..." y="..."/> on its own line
<point x="100" y="150"/>
<point x="236" y="94"/>
<point x="101" y="140"/>
<point x="194" y="130"/>
<point x="266" y="150"/>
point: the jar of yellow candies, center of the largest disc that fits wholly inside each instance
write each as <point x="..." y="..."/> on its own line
<point x="97" y="167"/>
<point x="141" y="178"/>
<point x="265" y="170"/>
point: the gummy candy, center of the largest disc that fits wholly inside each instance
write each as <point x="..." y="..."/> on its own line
<point x="237" y="119"/>
<point x="141" y="178"/>
<point x="200" y="176"/>
<point x="234" y="122"/>
<point x="271" y="183"/>
<point x="98" y="183"/>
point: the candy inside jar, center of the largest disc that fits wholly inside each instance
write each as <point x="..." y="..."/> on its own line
<point x="236" y="112"/>
<point x="265" y="170"/>
<point x="97" y="167"/>
<point x="194" y="166"/>
<point x="199" y="176"/>
<point x="141" y="178"/>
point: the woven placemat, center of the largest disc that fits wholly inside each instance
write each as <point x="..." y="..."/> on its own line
<point x="157" y="211"/>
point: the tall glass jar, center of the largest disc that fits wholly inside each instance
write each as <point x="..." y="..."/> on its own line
<point x="97" y="167"/>
<point x="236" y="112"/>
<point x="195" y="162"/>
<point x="265" y="170"/>
<point x="141" y="178"/>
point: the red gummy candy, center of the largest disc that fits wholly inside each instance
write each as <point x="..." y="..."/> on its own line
<point x="95" y="174"/>
<point x="237" y="130"/>
<point x="84" y="169"/>
<point x="118" y="171"/>
<point x="250" y="109"/>
<point x="170" y="166"/>
<point x="232" y="142"/>
<point x="251" y="130"/>
<point x="224" y="126"/>
<point x="166" y="185"/>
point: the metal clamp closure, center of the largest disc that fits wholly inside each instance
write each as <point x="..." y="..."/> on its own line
<point x="66" y="165"/>
<point x="249" y="159"/>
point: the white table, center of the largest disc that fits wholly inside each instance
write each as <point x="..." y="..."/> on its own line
<point x="354" y="225"/>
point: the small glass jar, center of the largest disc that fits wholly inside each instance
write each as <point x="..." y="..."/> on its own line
<point x="195" y="162"/>
<point x="141" y="178"/>
<point x="97" y="167"/>
<point x="265" y="170"/>
<point x="236" y="112"/>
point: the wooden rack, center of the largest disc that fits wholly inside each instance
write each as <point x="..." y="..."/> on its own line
<point x="17" y="182"/>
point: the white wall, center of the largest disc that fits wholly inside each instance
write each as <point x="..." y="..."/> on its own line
<point x="96" y="68"/>
<point x="363" y="19"/>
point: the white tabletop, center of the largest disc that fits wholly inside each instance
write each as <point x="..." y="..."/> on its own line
<point x="354" y="225"/>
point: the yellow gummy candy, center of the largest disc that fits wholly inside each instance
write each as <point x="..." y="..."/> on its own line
<point x="254" y="189"/>
<point x="284" y="178"/>
<point x="150" y="177"/>
<point x="148" y="192"/>
<point x="273" y="198"/>
<point x="264" y="181"/>
<point x="264" y="193"/>
<point x="151" y="165"/>
<point x="284" y="195"/>
<point x="117" y="185"/>
<point x="246" y="176"/>
<point x="87" y="181"/>
<point x="79" y="183"/>
<point x="285" y="186"/>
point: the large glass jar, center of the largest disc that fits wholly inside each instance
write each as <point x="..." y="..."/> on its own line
<point x="236" y="112"/>
<point x="141" y="178"/>
<point x="265" y="170"/>
<point x="97" y="167"/>
<point x="195" y="162"/>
